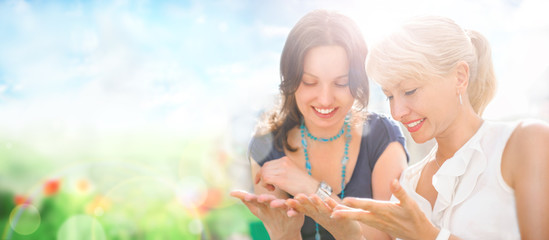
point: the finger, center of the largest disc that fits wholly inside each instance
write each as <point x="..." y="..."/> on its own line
<point x="258" y="179"/>
<point x="353" y="214"/>
<point x="331" y="203"/>
<point x="269" y="187"/>
<point x="240" y="194"/>
<point x="265" y="198"/>
<point x="303" y="199"/>
<point x="250" y="197"/>
<point x="258" y="176"/>
<point x="318" y="203"/>
<point x="399" y="192"/>
<point x="362" y="203"/>
<point x="278" y="203"/>
<point x="342" y="207"/>
<point x="295" y="205"/>
<point x="308" y="207"/>
<point x="292" y="212"/>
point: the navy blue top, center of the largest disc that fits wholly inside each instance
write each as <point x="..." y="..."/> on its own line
<point x="377" y="133"/>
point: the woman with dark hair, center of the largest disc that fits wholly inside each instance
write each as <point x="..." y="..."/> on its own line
<point x="321" y="142"/>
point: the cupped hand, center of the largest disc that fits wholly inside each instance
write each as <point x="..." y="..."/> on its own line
<point x="321" y="211"/>
<point x="403" y="220"/>
<point x="284" y="174"/>
<point x="273" y="212"/>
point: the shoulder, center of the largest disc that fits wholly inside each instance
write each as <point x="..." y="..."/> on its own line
<point x="380" y="120"/>
<point x="381" y="124"/>
<point x="526" y="150"/>
<point x="261" y="148"/>
<point x="533" y="126"/>
<point x="259" y="140"/>
<point x="378" y="132"/>
<point x="529" y="135"/>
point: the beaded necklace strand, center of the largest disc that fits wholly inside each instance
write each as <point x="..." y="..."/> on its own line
<point x="304" y="131"/>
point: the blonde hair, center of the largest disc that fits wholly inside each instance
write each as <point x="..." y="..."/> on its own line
<point x="432" y="46"/>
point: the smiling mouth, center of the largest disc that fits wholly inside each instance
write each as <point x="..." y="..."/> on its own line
<point x="413" y="124"/>
<point x="324" y="110"/>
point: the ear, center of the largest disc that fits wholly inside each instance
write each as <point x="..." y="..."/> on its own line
<point x="462" y="76"/>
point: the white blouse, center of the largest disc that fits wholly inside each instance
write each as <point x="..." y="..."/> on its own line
<point x="473" y="202"/>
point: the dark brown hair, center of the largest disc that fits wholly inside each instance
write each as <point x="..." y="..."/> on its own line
<point x="317" y="28"/>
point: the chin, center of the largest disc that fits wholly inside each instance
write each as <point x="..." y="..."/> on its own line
<point x="420" y="139"/>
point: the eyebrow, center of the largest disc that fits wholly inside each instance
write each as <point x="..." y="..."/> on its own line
<point x="387" y="90"/>
<point x="338" y="77"/>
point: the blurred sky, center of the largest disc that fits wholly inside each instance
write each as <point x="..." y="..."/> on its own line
<point x="200" y="67"/>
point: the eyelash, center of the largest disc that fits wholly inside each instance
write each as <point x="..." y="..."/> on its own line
<point x="337" y="85"/>
<point x="408" y="93"/>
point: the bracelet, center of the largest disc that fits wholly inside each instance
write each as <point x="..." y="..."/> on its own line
<point x="444" y="234"/>
<point x="324" y="190"/>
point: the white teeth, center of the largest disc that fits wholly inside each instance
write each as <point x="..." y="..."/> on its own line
<point x="324" y="111"/>
<point x="415" y="123"/>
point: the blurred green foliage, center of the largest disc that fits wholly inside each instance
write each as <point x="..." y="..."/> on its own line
<point x="123" y="187"/>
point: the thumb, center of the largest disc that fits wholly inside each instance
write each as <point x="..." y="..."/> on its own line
<point x="350" y="213"/>
<point x="257" y="177"/>
<point x="399" y="192"/>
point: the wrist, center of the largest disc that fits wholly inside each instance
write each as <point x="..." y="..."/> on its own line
<point x="443" y="234"/>
<point x="285" y="236"/>
<point x="350" y="230"/>
<point x="324" y="190"/>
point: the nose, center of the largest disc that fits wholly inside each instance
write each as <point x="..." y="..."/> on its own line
<point x="399" y="108"/>
<point x="326" y="96"/>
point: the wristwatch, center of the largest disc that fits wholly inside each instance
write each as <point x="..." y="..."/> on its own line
<point x="324" y="190"/>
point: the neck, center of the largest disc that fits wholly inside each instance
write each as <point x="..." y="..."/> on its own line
<point x="463" y="128"/>
<point x="325" y="132"/>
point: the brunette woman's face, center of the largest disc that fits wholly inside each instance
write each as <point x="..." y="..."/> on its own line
<point x="323" y="96"/>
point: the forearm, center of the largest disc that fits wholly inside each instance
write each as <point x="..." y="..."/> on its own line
<point x="284" y="235"/>
<point x="344" y="233"/>
<point x="373" y="233"/>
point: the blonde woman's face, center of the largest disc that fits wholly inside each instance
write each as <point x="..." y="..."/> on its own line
<point x="323" y="96"/>
<point x="426" y="108"/>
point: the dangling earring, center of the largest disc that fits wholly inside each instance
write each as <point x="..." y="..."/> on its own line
<point x="460" y="102"/>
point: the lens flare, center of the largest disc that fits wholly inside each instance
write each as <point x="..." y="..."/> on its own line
<point x="25" y="219"/>
<point x="82" y="227"/>
<point x="191" y="192"/>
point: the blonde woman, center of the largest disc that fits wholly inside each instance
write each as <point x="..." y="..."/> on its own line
<point x="483" y="179"/>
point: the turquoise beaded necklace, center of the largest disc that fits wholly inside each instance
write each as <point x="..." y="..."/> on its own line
<point x="304" y="131"/>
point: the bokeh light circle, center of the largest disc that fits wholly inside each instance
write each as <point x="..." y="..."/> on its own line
<point x="191" y="191"/>
<point x="81" y="227"/>
<point x="25" y="219"/>
<point x="195" y="226"/>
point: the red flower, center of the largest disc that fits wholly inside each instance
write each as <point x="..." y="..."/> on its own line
<point x="213" y="200"/>
<point x="51" y="187"/>
<point x="20" y="199"/>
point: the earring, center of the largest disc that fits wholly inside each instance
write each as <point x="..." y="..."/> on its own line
<point x="460" y="101"/>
